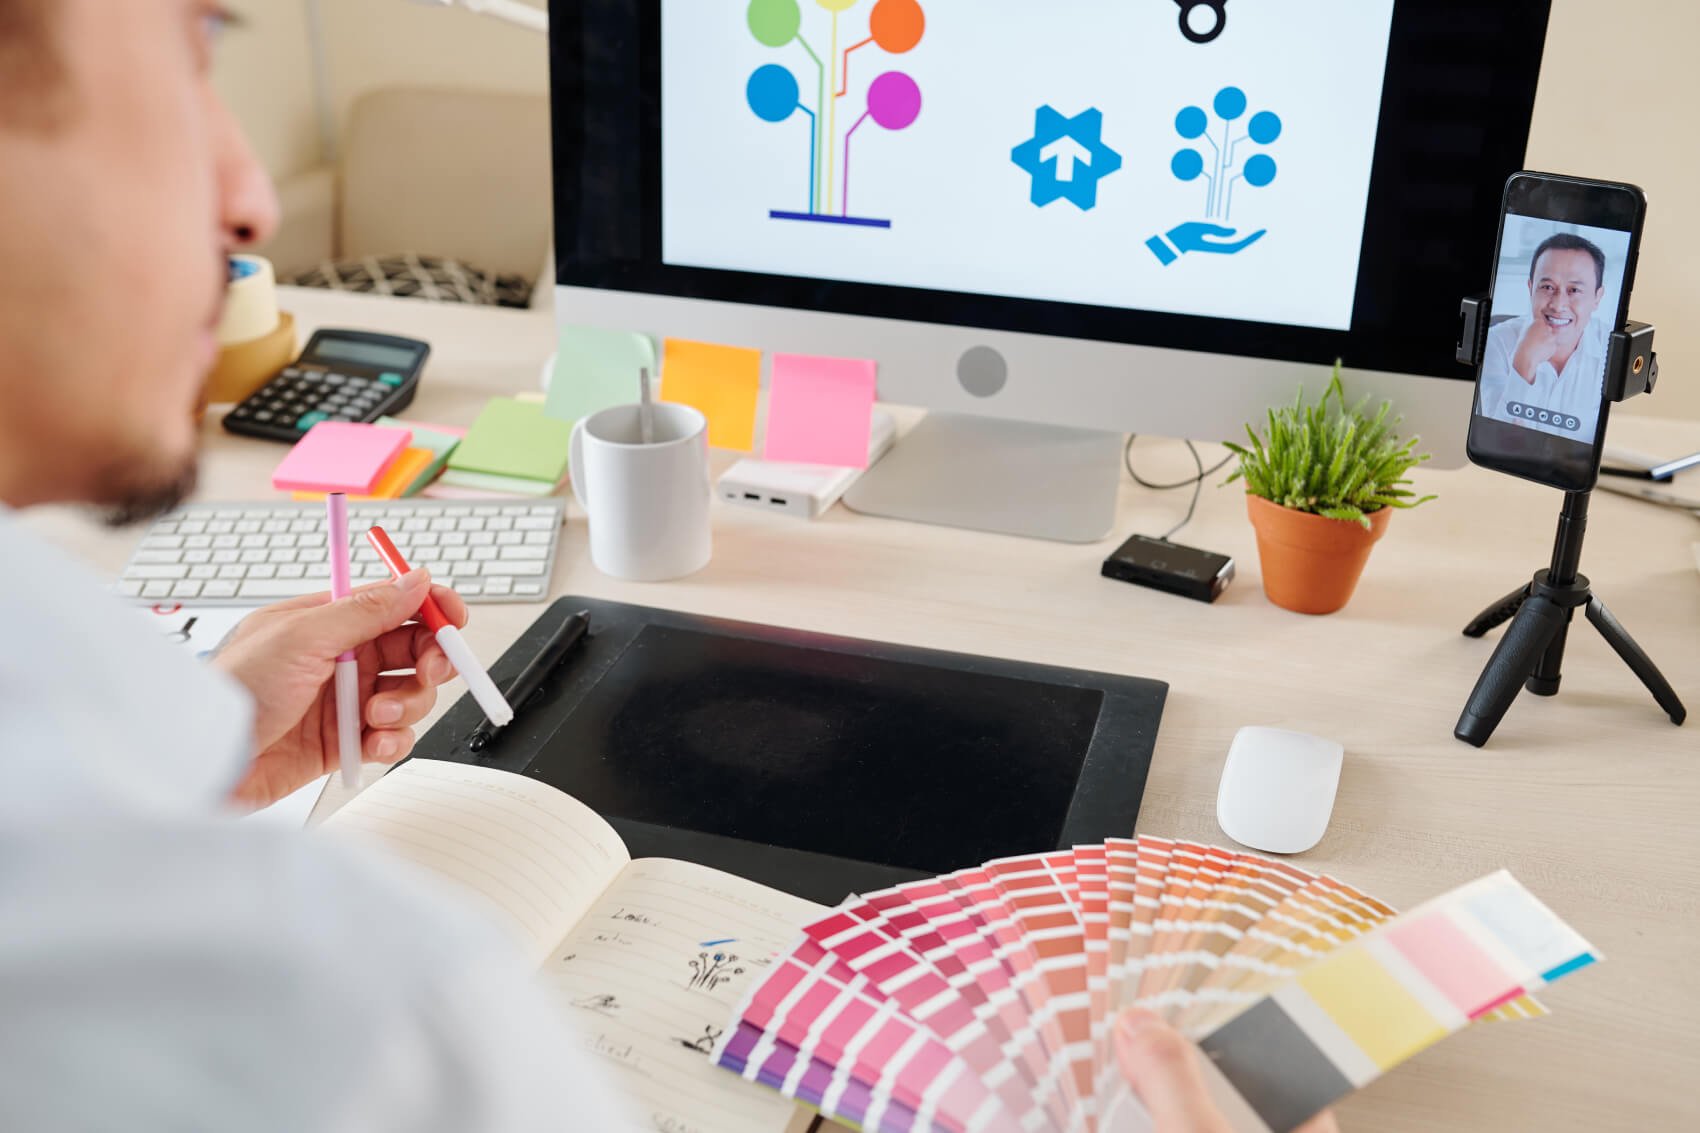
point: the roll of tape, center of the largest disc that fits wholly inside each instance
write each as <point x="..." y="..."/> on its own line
<point x="250" y="301"/>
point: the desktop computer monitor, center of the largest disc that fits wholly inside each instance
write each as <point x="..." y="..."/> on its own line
<point x="1048" y="223"/>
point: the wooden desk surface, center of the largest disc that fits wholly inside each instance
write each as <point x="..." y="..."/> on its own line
<point x="1592" y="798"/>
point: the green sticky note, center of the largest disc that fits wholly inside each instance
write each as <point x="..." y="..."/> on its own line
<point x="595" y="369"/>
<point x="514" y="438"/>
<point x="438" y="439"/>
<point x="507" y="485"/>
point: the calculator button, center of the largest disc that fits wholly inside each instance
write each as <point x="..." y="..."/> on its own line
<point x="291" y="372"/>
<point x="391" y="379"/>
<point x="308" y="420"/>
<point x="263" y="415"/>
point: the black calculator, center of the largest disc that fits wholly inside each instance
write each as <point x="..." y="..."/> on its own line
<point x="343" y="375"/>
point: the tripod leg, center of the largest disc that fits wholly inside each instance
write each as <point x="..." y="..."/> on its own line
<point x="1497" y="613"/>
<point x="1537" y="622"/>
<point x="1636" y="658"/>
<point x="1544" y="680"/>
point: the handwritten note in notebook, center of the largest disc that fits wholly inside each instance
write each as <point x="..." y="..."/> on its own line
<point x="820" y="410"/>
<point x="646" y="958"/>
<point x="723" y="382"/>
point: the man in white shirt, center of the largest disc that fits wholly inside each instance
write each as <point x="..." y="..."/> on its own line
<point x="1544" y="369"/>
<point x="162" y="968"/>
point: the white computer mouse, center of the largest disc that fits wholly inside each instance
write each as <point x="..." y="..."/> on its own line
<point x="1278" y="789"/>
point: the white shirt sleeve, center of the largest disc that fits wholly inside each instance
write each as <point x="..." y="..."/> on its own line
<point x="216" y="977"/>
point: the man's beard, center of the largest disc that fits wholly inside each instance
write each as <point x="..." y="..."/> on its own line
<point x="130" y="496"/>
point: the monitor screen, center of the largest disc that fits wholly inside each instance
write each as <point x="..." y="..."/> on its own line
<point x="1293" y="181"/>
<point x="1071" y="152"/>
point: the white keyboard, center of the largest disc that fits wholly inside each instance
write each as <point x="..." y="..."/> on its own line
<point x="251" y="554"/>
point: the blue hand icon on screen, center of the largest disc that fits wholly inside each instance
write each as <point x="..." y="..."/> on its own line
<point x="1211" y="160"/>
<point x="1199" y="236"/>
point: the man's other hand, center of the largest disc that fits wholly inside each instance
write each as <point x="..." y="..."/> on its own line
<point x="286" y="655"/>
<point x="1538" y="344"/>
<point x="1162" y="1067"/>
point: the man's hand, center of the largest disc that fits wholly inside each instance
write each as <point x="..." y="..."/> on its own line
<point x="286" y="656"/>
<point x="1538" y="344"/>
<point x="1163" y="1069"/>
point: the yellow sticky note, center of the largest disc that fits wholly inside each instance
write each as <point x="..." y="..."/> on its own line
<point x="1367" y="1003"/>
<point x="722" y="382"/>
<point x="408" y="464"/>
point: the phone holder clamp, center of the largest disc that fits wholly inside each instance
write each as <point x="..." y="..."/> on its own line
<point x="1531" y="653"/>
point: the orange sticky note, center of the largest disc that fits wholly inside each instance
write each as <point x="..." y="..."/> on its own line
<point x="395" y="479"/>
<point x="722" y="382"/>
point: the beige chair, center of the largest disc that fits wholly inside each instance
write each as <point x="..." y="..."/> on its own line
<point x="462" y="174"/>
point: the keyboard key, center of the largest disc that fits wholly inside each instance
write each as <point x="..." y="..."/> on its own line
<point x="454" y="538"/>
<point x="198" y="542"/>
<point x="162" y="543"/>
<point x="546" y="509"/>
<point x="499" y="523"/>
<point x="483" y="554"/>
<point x="220" y="527"/>
<point x="500" y="584"/>
<point x="130" y="587"/>
<point x="220" y="588"/>
<point x="270" y="588"/>
<point x="468" y="587"/>
<point x="525" y="553"/>
<point x="157" y="590"/>
<point x="248" y="527"/>
<point x="443" y="524"/>
<point x="192" y="527"/>
<point x="250" y="542"/>
<point x="539" y="538"/>
<point x="203" y="571"/>
<point x="426" y="538"/>
<point x="513" y="509"/>
<point x="187" y="589"/>
<point x="534" y="523"/>
<point x="157" y="557"/>
<point x="456" y="554"/>
<point x="233" y="570"/>
<point x="151" y="571"/>
<point x="501" y="566"/>
<point x="528" y="588"/>
<point x="481" y="538"/>
<point x="514" y="538"/>
<point x="263" y="570"/>
<point x="197" y="556"/>
<point x="252" y="555"/>
<point x="281" y="555"/>
<point x="292" y="570"/>
<point x="226" y="556"/>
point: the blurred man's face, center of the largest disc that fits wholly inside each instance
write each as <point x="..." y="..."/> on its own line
<point x="119" y="200"/>
<point x="1563" y="292"/>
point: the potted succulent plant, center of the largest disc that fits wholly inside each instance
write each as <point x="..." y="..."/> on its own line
<point x="1320" y="487"/>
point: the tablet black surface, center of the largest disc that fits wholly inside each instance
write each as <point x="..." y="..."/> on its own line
<point x="816" y="764"/>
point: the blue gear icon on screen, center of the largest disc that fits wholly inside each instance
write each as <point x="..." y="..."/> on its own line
<point x="1066" y="157"/>
<point x="1211" y="159"/>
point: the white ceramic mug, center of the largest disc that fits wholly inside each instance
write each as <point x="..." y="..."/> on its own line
<point x="648" y="503"/>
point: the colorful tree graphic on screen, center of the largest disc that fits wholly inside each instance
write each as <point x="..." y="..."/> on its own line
<point x="775" y="94"/>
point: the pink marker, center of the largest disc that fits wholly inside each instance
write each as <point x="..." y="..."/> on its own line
<point x="347" y="669"/>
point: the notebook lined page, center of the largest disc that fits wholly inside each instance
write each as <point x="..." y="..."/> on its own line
<point x="651" y="976"/>
<point x="538" y="858"/>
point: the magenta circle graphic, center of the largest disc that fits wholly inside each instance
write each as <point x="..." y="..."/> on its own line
<point x="894" y="101"/>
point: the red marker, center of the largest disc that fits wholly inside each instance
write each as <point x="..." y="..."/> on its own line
<point x="478" y="682"/>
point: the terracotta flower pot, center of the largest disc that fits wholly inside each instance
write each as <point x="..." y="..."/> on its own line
<point x="1310" y="563"/>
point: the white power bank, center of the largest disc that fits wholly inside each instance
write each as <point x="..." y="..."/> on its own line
<point x="802" y="490"/>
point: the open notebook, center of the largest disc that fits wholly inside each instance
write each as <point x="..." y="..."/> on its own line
<point x="649" y="957"/>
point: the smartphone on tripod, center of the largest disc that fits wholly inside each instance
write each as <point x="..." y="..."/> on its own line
<point x="1563" y="266"/>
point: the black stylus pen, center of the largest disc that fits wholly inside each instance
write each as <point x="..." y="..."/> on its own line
<point x="536" y="671"/>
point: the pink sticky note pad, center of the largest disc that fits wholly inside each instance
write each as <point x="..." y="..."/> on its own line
<point x="340" y="456"/>
<point x="820" y="410"/>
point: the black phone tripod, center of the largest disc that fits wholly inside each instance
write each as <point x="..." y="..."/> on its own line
<point x="1530" y="653"/>
<point x="1532" y="650"/>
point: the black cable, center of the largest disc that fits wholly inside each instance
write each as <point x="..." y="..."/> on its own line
<point x="1196" y="482"/>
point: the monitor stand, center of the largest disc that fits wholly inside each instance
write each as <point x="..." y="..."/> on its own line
<point x="988" y="474"/>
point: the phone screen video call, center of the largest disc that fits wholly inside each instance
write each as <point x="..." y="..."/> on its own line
<point x="1556" y="295"/>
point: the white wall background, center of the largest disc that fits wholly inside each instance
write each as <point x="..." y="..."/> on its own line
<point x="1611" y="104"/>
